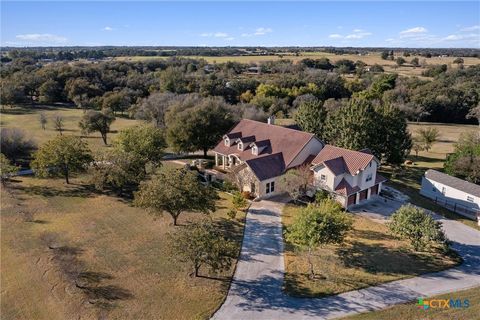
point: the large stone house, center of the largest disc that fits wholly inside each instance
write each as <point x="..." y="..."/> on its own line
<point x="351" y="176"/>
<point x="257" y="154"/>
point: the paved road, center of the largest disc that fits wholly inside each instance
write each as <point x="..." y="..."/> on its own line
<point x="256" y="291"/>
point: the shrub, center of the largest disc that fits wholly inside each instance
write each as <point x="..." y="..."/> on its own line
<point x="231" y="214"/>
<point x="246" y="194"/>
<point x="239" y="201"/>
<point x="321" y="195"/>
<point x="418" y="227"/>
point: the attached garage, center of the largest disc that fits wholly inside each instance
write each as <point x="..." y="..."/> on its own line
<point x="351" y="199"/>
<point x="363" y="194"/>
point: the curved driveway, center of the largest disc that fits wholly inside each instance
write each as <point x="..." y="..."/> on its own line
<point x="256" y="290"/>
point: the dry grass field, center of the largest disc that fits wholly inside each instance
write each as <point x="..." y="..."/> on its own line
<point x="27" y="119"/>
<point x="119" y="248"/>
<point x="410" y="311"/>
<point x="369" y="256"/>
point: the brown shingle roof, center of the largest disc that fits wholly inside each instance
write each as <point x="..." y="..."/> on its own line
<point x="345" y="188"/>
<point x="459" y="184"/>
<point x="287" y="142"/>
<point x="267" y="167"/>
<point x="354" y="161"/>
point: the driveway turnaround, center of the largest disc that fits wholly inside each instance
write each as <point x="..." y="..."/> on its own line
<point x="256" y="290"/>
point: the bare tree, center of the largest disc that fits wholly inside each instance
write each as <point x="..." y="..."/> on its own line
<point x="58" y="123"/>
<point x="43" y="120"/>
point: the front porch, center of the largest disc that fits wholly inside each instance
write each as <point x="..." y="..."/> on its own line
<point x="225" y="163"/>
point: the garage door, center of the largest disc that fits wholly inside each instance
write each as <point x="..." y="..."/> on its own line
<point x="351" y="199"/>
<point x="363" y="195"/>
<point x="374" y="190"/>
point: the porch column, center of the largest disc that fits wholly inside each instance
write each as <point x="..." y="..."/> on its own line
<point x="224" y="159"/>
<point x="357" y="197"/>
<point x="216" y="159"/>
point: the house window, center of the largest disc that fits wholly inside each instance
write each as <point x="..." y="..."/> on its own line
<point x="227" y="142"/>
<point x="255" y="150"/>
<point x="370" y="164"/>
<point x="270" y="187"/>
<point x="444" y="190"/>
<point x="323" y="177"/>
<point x="240" y="146"/>
<point x="369" y="177"/>
<point x="469" y="199"/>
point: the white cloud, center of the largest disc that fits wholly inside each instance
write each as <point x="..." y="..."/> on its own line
<point x="258" y="32"/>
<point x="215" y="35"/>
<point x="262" y="31"/>
<point x="335" y="36"/>
<point x="413" y="32"/>
<point x="472" y="28"/>
<point x="230" y="38"/>
<point x="41" y="38"/>
<point x="220" y="35"/>
<point x="107" y="28"/>
<point x="456" y="37"/>
<point x="357" y="34"/>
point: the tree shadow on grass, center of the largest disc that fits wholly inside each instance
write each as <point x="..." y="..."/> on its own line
<point x="83" y="191"/>
<point x="376" y="258"/>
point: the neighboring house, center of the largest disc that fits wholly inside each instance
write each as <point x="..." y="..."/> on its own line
<point x="455" y="194"/>
<point x="351" y="176"/>
<point x="258" y="153"/>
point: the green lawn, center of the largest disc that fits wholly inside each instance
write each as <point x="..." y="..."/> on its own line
<point x="27" y="118"/>
<point x="410" y="311"/>
<point x="368" y="257"/>
<point x="114" y="241"/>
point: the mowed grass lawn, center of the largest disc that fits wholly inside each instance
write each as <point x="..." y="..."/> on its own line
<point x="409" y="178"/>
<point x="26" y="117"/>
<point x="410" y="311"/>
<point x="123" y="244"/>
<point x="369" y="256"/>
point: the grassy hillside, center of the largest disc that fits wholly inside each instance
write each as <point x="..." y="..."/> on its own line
<point x="122" y="249"/>
<point x="27" y="118"/>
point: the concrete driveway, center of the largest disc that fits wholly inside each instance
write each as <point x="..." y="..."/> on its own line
<point x="256" y="290"/>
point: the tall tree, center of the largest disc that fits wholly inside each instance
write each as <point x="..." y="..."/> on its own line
<point x="311" y="116"/>
<point x="146" y="142"/>
<point x="175" y="191"/>
<point x="322" y="224"/>
<point x="117" y="170"/>
<point x="61" y="156"/>
<point x="14" y="144"/>
<point x="199" y="126"/>
<point x="464" y="162"/>
<point x="396" y="140"/>
<point x="97" y="121"/>
<point x="355" y="126"/>
<point x="428" y="136"/>
<point x="201" y="244"/>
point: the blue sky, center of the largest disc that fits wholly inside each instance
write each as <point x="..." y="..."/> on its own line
<point x="341" y="23"/>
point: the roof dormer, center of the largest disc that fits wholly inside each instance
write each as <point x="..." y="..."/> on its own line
<point x="240" y="145"/>
<point x="226" y="141"/>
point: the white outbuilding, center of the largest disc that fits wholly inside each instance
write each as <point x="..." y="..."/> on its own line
<point x="455" y="194"/>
